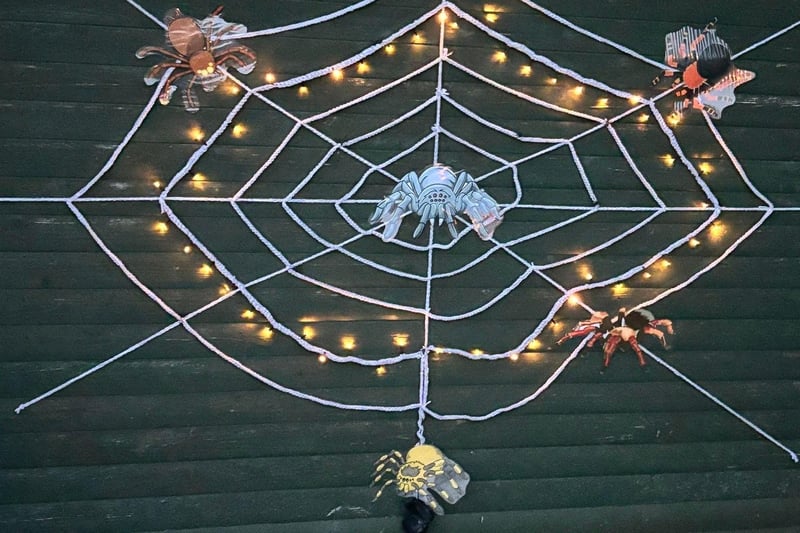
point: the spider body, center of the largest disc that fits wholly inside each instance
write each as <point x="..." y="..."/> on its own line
<point x="423" y="469"/>
<point x="195" y="48"/>
<point x="438" y="194"/>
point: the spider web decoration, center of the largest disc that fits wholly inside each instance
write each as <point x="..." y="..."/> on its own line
<point x="346" y="185"/>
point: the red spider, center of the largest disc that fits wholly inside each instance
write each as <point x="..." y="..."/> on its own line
<point x="623" y="328"/>
<point x="195" y="48"/>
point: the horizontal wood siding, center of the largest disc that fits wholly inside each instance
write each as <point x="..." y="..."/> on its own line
<point x="171" y="437"/>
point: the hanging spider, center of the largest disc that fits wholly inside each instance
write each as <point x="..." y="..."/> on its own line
<point x="705" y="69"/>
<point x="423" y="468"/>
<point x="195" y="48"/>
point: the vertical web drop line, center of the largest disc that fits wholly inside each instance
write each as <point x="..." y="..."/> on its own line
<point x="424" y="370"/>
<point x="439" y="91"/>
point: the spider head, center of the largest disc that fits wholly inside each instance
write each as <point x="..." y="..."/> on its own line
<point x="202" y="63"/>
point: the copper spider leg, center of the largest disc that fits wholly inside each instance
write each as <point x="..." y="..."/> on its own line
<point x="157" y="50"/>
<point x="156" y="72"/>
<point x="166" y="93"/>
<point x="231" y="56"/>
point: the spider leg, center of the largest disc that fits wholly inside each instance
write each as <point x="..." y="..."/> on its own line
<point x="145" y="51"/>
<point x="448" y="216"/>
<point x="155" y="73"/>
<point x="424" y="217"/>
<point x="190" y="102"/>
<point x="380" y="490"/>
<point x="650" y="330"/>
<point x="609" y="348"/>
<point x="169" y="86"/>
<point x="230" y="56"/>
<point x="637" y="350"/>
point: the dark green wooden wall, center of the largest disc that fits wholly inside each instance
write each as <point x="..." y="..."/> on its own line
<point x="172" y="437"/>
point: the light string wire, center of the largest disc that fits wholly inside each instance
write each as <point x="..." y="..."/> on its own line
<point x="441" y="95"/>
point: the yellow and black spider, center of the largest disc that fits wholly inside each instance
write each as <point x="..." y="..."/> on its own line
<point x="423" y="469"/>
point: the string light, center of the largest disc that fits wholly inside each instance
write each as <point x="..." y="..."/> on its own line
<point x="348" y="342"/>
<point x="602" y="103"/>
<point x="574" y="300"/>
<point x="705" y="167"/>
<point x="161" y="228"/>
<point x="620" y="289"/>
<point x="717" y="231"/>
<point x="205" y="271"/>
<point x="442" y="16"/>
<point x="499" y="56"/>
<point x="673" y="119"/>
<point x="647" y="275"/>
<point x="577" y="91"/>
<point x="232" y="89"/>
<point x="552" y="81"/>
<point x="199" y="181"/>
<point x="526" y="71"/>
<point x="668" y="160"/>
<point x="196" y="133"/>
<point x="338" y="74"/>
<point x="248" y="314"/>
<point x="452" y="26"/>
<point x="363" y="67"/>
<point x="535" y="345"/>
<point x="322" y="359"/>
<point x="694" y="243"/>
<point x="266" y="333"/>
<point x="491" y="13"/>
<point x="644" y="117"/>
<point x="477" y="351"/>
<point x="239" y="130"/>
<point x="400" y="340"/>
<point x="187" y="249"/>
<point x="269" y="77"/>
<point x="302" y="91"/>
<point x="417" y="38"/>
<point x="635" y="99"/>
<point x="309" y="333"/>
<point x="380" y="371"/>
<point x="390" y="49"/>
<point x="514" y="357"/>
<point x="157" y="184"/>
<point x="224" y="289"/>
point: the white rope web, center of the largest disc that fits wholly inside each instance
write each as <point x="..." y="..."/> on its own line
<point x="446" y="61"/>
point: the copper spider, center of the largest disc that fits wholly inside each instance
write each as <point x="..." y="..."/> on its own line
<point x="194" y="47"/>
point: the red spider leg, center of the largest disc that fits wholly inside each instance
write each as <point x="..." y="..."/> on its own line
<point x="609" y="348"/>
<point x="635" y="345"/>
<point x="579" y="331"/>
<point x="596" y="337"/>
<point x="667" y="323"/>
<point x="650" y="330"/>
<point x="155" y="50"/>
